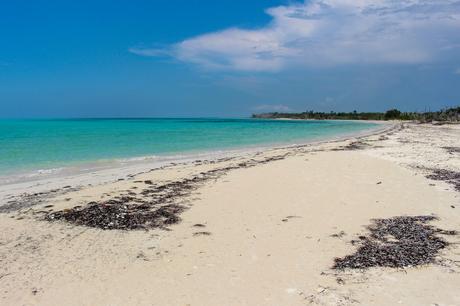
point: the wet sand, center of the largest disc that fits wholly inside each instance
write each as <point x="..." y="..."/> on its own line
<point x="263" y="229"/>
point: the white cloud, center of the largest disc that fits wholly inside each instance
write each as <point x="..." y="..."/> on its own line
<point x="329" y="32"/>
<point x="272" y="108"/>
<point x="457" y="71"/>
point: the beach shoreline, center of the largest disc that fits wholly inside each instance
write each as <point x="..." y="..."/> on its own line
<point x="259" y="228"/>
<point x="149" y="143"/>
<point x="121" y="168"/>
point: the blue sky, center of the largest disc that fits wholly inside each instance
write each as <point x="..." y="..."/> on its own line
<point x="176" y="58"/>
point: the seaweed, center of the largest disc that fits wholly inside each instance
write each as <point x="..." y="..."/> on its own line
<point x="397" y="242"/>
<point x="119" y="216"/>
<point x="355" y="145"/>
<point x="156" y="206"/>
<point x="452" y="150"/>
<point x="448" y="176"/>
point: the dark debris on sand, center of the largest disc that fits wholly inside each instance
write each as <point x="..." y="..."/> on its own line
<point x="397" y="242"/>
<point x="156" y="206"/>
<point x="448" y="176"/>
<point x="452" y="150"/>
<point x="355" y="145"/>
<point x="27" y="200"/>
<point x="120" y="216"/>
<point x="201" y="234"/>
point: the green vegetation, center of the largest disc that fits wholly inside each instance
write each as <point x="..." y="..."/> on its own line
<point x="446" y="115"/>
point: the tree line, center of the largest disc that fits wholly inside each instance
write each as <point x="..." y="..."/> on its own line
<point x="444" y="115"/>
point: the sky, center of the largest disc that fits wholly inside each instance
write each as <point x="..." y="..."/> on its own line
<point x="226" y="58"/>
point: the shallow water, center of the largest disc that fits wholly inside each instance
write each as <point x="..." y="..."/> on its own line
<point x="40" y="145"/>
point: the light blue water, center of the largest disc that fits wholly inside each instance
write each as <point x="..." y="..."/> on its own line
<point x="42" y="144"/>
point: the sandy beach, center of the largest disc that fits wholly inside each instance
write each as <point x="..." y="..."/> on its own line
<point x="260" y="228"/>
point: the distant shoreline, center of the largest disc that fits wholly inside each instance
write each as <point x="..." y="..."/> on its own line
<point x="445" y="115"/>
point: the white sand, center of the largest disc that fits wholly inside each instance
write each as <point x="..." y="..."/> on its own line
<point x="270" y="234"/>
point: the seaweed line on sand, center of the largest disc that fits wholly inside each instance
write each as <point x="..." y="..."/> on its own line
<point x="397" y="242"/>
<point x="448" y="176"/>
<point x="156" y="206"/>
<point x="452" y="150"/>
<point x="27" y="200"/>
<point x="352" y="146"/>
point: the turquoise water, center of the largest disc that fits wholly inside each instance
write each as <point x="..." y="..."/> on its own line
<point x="43" y="144"/>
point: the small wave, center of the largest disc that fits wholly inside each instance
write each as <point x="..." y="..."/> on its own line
<point x="48" y="171"/>
<point x="137" y="158"/>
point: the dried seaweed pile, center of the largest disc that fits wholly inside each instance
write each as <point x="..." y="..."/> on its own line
<point x="156" y="206"/>
<point x="451" y="177"/>
<point x="397" y="242"/>
<point x="120" y="216"/>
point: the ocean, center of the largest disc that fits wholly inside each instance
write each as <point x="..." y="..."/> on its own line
<point x="40" y="145"/>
